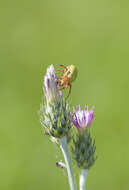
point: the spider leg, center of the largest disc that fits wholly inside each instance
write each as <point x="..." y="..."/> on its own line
<point x="60" y="70"/>
<point x="63" y="66"/>
<point x="59" y="80"/>
<point x="70" y="87"/>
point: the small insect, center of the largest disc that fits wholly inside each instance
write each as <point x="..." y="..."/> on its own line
<point x="69" y="74"/>
<point x="60" y="165"/>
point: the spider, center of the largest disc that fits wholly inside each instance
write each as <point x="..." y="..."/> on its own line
<point x="69" y="74"/>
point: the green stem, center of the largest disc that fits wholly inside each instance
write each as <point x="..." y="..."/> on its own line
<point x="64" y="149"/>
<point x="83" y="178"/>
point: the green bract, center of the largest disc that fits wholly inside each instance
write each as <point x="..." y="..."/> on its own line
<point x="55" y="118"/>
<point x="84" y="150"/>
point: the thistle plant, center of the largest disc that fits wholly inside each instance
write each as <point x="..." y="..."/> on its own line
<point x="57" y="121"/>
<point x="83" y="149"/>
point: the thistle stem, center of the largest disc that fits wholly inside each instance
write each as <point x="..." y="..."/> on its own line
<point x="83" y="178"/>
<point x="64" y="149"/>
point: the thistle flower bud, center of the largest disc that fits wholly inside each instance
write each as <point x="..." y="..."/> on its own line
<point x="84" y="150"/>
<point x="54" y="112"/>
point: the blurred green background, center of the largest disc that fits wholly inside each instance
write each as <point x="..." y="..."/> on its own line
<point x="93" y="35"/>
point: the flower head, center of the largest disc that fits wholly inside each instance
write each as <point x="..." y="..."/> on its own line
<point x="82" y="119"/>
<point x="54" y="111"/>
<point x="50" y="86"/>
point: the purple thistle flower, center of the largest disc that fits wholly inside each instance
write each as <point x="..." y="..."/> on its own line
<point x="50" y="86"/>
<point x="82" y="119"/>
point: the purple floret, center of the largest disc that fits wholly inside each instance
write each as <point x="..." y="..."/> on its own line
<point x="82" y="118"/>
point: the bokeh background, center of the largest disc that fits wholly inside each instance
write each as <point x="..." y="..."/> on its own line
<point x="93" y="35"/>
